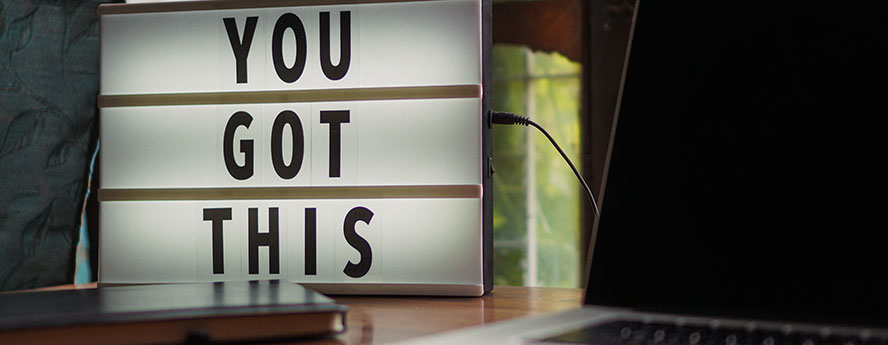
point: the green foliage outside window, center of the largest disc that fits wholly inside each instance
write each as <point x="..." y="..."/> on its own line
<point x="536" y="210"/>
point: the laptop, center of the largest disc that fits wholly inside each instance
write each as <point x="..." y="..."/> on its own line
<point x="745" y="194"/>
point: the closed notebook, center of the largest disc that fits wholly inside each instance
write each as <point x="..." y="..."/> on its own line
<point x="168" y="313"/>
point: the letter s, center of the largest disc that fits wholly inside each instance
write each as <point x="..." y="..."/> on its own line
<point x="356" y="241"/>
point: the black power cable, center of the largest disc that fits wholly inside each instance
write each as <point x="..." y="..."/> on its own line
<point x="505" y="118"/>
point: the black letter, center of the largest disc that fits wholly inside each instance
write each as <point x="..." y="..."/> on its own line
<point x="356" y="241"/>
<point x="217" y="215"/>
<point x="338" y="71"/>
<point x="287" y="117"/>
<point x="311" y="241"/>
<point x="335" y="118"/>
<point x="244" y="172"/>
<point x="241" y="47"/>
<point x="288" y="21"/>
<point x="268" y="239"/>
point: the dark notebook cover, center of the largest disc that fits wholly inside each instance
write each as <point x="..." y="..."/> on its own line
<point x="168" y="313"/>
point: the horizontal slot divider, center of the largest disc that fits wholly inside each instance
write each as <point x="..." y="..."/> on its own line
<point x="182" y="6"/>
<point x="293" y="193"/>
<point x="292" y="96"/>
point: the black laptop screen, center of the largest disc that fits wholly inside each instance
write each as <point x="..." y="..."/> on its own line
<point x="747" y="173"/>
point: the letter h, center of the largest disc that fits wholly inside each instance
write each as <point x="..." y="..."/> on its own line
<point x="269" y="239"/>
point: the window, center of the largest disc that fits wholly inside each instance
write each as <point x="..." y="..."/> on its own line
<point x="536" y="196"/>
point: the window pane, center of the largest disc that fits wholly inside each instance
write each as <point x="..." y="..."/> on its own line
<point x="536" y="207"/>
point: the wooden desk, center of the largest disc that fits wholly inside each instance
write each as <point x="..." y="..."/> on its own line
<point x="382" y="320"/>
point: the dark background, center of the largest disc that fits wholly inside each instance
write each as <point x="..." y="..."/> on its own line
<point x="747" y="169"/>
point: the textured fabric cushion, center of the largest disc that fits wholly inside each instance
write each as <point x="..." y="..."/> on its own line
<point x="48" y="85"/>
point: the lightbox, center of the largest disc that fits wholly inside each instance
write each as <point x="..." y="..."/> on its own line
<point x="340" y="144"/>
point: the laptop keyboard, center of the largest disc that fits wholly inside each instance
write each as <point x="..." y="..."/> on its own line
<point x="652" y="333"/>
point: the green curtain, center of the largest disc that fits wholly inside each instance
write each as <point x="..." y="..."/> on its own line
<point x="49" y="61"/>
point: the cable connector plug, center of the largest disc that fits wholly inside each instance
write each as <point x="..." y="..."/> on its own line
<point x="504" y="118"/>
